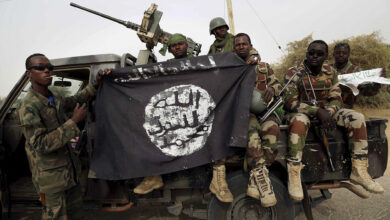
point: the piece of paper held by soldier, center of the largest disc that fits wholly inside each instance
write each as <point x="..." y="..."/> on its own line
<point x="353" y="80"/>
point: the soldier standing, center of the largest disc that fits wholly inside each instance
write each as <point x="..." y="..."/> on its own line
<point x="54" y="165"/>
<point x="262" y="146"/>
<point x="343" y="65"/>
<point x="177" y="45"/>
<point x="318" y="95"/>
<point x="224" y="40"/>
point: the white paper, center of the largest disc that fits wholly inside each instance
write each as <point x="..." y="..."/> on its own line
<point x="353" y="80"/>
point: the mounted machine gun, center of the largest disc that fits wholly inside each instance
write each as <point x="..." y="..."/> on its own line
<point x="148" y="32"/>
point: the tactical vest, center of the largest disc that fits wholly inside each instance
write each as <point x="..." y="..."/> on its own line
<point x="321" y="84"/>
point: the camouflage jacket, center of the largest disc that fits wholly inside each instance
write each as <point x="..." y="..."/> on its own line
<point x="54" y="165"/>
<point x="265" y="78"/>
<point x="325" y="85"/>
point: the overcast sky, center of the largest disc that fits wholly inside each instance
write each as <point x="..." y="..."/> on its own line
<point x="59" y="30"/>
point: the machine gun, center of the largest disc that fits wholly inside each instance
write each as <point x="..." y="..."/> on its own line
<point x="149" y="31"/>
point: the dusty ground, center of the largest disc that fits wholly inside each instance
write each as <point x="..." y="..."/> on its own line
<point x="343" y="205"/>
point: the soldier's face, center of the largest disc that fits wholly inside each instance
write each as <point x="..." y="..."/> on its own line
<point x="341" y="55"/>
<point x="179" y="50"/>
<point x="40" y="71"/>
<point x="221" y="31"/>
<point x="242" y="47"/>
<point x="316" y="54"/>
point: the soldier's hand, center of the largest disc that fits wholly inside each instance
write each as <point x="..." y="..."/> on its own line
<point x="268" y="94"/>
<point x="253" y="59"/>
<point x="100" y="75"/>
<point x="326" y="119"/>
<point x="79" y="113"/>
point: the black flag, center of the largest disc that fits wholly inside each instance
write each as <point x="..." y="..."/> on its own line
<point x="164" y="117"/>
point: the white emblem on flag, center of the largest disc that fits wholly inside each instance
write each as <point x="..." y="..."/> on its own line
<point x="179" y="119"/>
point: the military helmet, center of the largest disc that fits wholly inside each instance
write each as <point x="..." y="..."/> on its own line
<point x="257" y="104"/>
<point x="217" y="22"/>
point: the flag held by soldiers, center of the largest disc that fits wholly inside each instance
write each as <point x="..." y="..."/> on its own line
<point x="170" y="116"/>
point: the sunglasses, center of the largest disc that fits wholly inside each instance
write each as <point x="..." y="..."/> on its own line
<point x="42" y="67"/>
<point x="318" y="52"/>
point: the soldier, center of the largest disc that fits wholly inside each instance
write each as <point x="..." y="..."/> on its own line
<point x="54" y="164"/>
<point x="344" y="66"/>
<point x="224" y="43"/>
<point x="224" y="40"/>
<point x="262" y="146"/>
<point x="177" y="45"/>
<point x="318" y="95"/>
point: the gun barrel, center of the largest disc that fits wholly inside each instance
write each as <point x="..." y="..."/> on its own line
<point x="274" y="106"/>
<point x="128" y="24"/>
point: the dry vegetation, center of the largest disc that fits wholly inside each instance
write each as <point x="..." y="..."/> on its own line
<point x="367" y="51"/>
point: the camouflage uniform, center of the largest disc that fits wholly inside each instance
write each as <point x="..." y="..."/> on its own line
<point x="328" y="95"/>
<point x="54" y="165"/>
<point x="262" y="138"/>
<point x="346" y="93"/>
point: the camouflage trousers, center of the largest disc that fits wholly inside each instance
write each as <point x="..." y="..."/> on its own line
<point x="353" y="121"/>
<point x="262" y="146"/>
<point x="63" y="205"/>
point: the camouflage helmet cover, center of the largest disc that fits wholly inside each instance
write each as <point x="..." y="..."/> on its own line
<point x="217" y="22"/>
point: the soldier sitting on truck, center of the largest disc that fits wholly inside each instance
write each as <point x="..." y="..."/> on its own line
<point x="262" y="144"/>
<point x="177" y="45"/>
<point x="318" y="95"/>
<point x="343" y="65"/>
<point x="54" y="164"/>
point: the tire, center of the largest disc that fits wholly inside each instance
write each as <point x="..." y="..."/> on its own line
<point x="245" y="207"/>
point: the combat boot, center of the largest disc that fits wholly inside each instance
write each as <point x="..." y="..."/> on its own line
<point x="218" y="184"/>
<point x="265" y="191"/>
<point x="252" y="190"/>
<point x="359" y="175"/>
<point x="294" y="180"/>
<point x="148" y="184"/>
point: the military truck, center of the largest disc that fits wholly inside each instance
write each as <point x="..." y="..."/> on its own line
<point x="185" y="193"/>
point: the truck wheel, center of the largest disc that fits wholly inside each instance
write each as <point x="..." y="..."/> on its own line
<point x="245" y="207"/>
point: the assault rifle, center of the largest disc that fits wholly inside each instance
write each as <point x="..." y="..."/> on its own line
<point x="149" y="31"/>
<point x="320" y="131"/>
<point x="279" y="101"/>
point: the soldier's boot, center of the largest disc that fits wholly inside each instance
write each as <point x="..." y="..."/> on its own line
<point x="359" y="175"/>
<point x="294" y="180"/>
<point x="149" y="184"/>
<point x="252" y="190"/>
<point x="265" y="192"/>
<point x="218" y="184"/>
